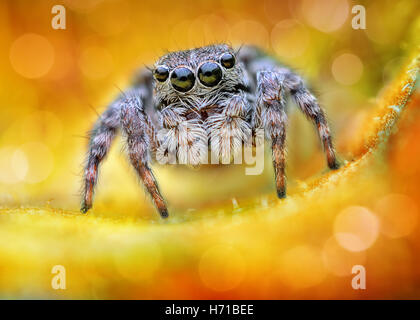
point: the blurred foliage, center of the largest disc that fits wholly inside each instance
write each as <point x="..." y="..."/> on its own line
<point x="304" y="246"/>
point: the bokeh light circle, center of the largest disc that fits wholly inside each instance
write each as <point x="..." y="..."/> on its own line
<point x="347" y="69"/>
<point x="356" y="228"/>
<point x="377" y="12"/>
<point x="40" y="161"/>
<point x="222" y="268"/>
<point x="19" y="163"/>
<point x="31" y="55"/>
<point x="289" y="39"/>
<point x="398" y="214"/>
<point x="325" y="15"/>
<point x="13" y="165"/>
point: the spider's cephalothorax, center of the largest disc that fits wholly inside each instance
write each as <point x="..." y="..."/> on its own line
<point x="205" y="98"/>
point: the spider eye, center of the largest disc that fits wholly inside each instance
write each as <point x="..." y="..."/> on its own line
<point x="209" y="74"/>
<point x="227" y="60"/>
<point x="161" y="73"/>
<point x="182" y="79"/>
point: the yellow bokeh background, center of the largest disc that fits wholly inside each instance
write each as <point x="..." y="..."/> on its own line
<point x="228" y="235"/>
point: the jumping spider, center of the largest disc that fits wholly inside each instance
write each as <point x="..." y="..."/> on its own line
<point x="207" y="92"/>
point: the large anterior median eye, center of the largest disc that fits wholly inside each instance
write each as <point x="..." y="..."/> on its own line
<point x="182" y="79"/>
<point x="209" y="74"/>
<point x="227" y="60"/>
<point x="161" y="73"/>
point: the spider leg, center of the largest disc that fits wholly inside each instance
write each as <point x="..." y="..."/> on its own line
<point x="273" y="82"/>
<point x="271" y="115"/>
<point x="129" y="104"/>
<point x="310" y="107"/>
<point x="134" y="122"/>
<point x="101" y="137"/>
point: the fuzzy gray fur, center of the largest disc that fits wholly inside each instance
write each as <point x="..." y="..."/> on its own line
<point x="159" y="121"/>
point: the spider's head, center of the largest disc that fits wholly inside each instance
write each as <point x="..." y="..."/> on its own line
<point x="197" y="76"/>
